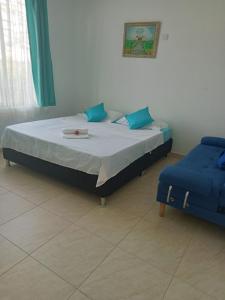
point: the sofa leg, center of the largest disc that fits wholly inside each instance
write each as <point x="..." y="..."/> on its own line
<point x="162" y="210"/>
<point x="142" y="173"/>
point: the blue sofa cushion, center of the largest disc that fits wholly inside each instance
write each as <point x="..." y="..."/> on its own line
<point x="221" y="161"/>
<point x="213" y="141"/>
<point x="198" y="171"/>
<point x="187" y="179"/>
<point x="222" y="197"/>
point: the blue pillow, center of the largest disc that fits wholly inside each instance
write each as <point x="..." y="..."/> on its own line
<point x="139" y="118"/>
<point x="221" y="161"/>
<point x="96" y="113"/>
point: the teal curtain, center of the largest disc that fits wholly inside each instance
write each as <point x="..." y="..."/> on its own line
<point x="37" y="22"/>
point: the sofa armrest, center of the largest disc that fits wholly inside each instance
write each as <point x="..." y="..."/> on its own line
<point x="187" y="179"/>
<point x="213" y="141"/>
<point x="222" y="196"/>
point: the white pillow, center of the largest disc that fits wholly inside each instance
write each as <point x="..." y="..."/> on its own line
<point x="157" y="124"/>
<point x="114" y="115"/>
<point x="122" y="121"/>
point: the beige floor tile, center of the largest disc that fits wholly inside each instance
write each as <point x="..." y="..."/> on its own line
<point x="122" y="276"/>
<point x="17" y="175"/>
<point x="37" y="194"/>
<point x="133" y="272"/>
<point x="145" y="180"/>
<point x="12" y="205"/>
<point x="172" y="214"/>
<point x="203" y="265"/>
<point x="135" y="199"/>
<point x="2" y="191"/>
<point x="11" y="177"/>
<point x="78" y="296"/>
<point x="73" y="254"/>
<point x="30" y="280"/>
<point x="112" y="225"/>
<point x="9" y="255"/>
<point x="138" y="196"/>
<point x="160" y="243"/>
<point x="180" y="290"/>
<point x="72" y="205"/>
<point x="33" y="229"/>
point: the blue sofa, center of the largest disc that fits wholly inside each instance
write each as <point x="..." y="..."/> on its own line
<point x="196" y="184"/>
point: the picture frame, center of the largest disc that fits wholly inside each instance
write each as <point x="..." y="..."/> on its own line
<point x="141" y="39"/>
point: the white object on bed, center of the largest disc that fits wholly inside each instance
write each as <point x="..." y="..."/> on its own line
<point x="157" y="124"/>
<point x="122" y="121"/>
<point x="114" y="115"/>
<point x="111" y="148"/>
<point x="76" y="131"/>
<point x="74" y="136"/>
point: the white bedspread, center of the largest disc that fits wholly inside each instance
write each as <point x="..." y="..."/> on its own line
<point x="109" y="149"/>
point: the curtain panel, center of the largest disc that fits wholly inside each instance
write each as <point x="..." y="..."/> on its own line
<point x="16" y="82"/>
<point x="42" y="70"/>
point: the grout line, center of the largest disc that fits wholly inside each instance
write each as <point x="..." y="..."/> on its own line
<point x="114" y="246"/>
<point x="86" y="295"/>
<point x="51" y="238"/>
<point x="35" y="206"/>
<point x="73" y="293"/>
<point x="20" y="215"/>
<point x="70" y="223"/>
<point x="77" y="290"/>
<point x="178" y="265"/>
<point x="44" y="266"/>
<point x="25" y="198"/>
<point x="52" y="271"/>
<point x="64" y="217"/>
<point x="30" y="255"/>
<point x="14" y="244"/>
<point x="14" y="265"/>
<point x="110" y="252"/>
<point x="36" y="191"/>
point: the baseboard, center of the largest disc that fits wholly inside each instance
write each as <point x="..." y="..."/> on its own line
<point x="176" y="155"/>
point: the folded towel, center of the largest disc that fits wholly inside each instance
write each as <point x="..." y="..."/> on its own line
<point x="74" y="136"/>
<point x="76" y="131"/>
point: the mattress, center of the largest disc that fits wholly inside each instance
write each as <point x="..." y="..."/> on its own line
<point x="109" y="149"/>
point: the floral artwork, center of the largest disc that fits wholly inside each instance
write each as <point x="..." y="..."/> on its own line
<point x="141" y="39"/>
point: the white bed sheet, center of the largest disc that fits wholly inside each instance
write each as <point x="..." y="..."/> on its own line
<point x="110" y="148"/>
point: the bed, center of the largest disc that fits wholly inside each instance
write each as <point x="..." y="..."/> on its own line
<point x="109" y="158"/>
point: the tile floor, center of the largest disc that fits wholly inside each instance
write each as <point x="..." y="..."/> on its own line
<point x="57" y="243"/>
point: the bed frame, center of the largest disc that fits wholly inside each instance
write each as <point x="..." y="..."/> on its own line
<point x="88" y="181"/>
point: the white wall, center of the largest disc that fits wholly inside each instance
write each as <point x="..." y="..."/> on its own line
<point x="67" y="26"/>
<point x="184" y="85"/>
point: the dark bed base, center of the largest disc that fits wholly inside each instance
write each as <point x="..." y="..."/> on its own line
<point x="87" y="181"/>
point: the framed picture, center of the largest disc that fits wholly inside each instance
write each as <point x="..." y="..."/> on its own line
<point x="141" y="39"/>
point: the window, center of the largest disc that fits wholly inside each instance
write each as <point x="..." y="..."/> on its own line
<point x="16" y="82"/>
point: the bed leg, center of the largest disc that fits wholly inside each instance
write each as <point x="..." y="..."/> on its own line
<point x="8" y="163"/>
<point x="103" y="201"/>
<point x="162" y="209"/>
<point x="142" y="173"/>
